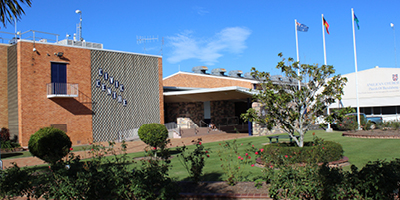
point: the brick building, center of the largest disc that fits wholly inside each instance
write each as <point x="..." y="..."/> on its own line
<point x="79" y="87"/>
<point x="205" y="98"/>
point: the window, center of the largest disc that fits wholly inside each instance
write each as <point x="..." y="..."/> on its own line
<point x="59" y="78"/>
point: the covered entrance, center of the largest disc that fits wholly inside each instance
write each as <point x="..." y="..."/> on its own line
<point x="194" y="107"/>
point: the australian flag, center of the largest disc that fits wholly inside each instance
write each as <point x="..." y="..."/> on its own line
<point x="395" y="77"/>
<point x="301" y="27"/>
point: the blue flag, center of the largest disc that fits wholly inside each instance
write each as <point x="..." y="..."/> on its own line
<point x="356" y="20"/>
<point x="301" y="27"/>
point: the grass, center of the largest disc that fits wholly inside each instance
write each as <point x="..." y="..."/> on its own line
<point x="358" y="150"/>
<point x="22" y="154"/>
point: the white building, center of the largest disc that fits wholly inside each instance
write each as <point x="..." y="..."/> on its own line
<point x="378" y="92"/>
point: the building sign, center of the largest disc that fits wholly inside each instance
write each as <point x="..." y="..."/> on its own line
<point x="100" y="72"/>
<point x="98" y="83"/>
<point x="109" y="89"/>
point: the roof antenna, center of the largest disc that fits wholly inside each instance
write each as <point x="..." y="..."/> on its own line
<point x="79" y="26"/>
<point x="141" y="39"/>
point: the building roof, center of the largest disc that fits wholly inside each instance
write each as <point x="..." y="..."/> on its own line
<point x="209" y="94"/>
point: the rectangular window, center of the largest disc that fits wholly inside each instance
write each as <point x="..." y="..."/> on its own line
<point x="59" y="78"/>
<point x="377" y="110"/>
<point x="367" y="110"/>
<point x="389" y="110"/>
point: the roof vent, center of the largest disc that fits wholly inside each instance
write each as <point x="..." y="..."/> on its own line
<point x="218" y="72"/>
<point x="200" y="69"/>
<point x="236" y="73"/>
<point x="248" y="75"/>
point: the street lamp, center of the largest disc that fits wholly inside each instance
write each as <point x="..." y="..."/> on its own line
<point x="80" y="25"/>
<point x="394" y="36"/>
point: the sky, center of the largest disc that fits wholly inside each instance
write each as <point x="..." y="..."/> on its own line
<point x="234" y="35"/>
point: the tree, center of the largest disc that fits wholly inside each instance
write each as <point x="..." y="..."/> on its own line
<point x="11" y="9"/>
<point x="154" y="135"/>
<point x="49" y="144"/>
<point x="289" y="106"/>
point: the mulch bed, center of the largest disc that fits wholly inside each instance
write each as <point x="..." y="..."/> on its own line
<point x="376" y="133"/>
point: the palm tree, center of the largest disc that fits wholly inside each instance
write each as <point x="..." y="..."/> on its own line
<point x="11" y="9"/>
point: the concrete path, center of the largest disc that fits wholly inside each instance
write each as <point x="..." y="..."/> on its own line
<point x="133" y="146"/>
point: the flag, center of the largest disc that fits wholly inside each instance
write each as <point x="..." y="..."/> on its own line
<point x="356" y="20"/>
<point x="326" y="25"/>
<point x="301" y="27"/>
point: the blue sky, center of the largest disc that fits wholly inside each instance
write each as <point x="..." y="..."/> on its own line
<point x="235" y="35"/>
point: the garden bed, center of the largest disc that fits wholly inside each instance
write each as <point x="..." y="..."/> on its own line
<point x="376" y="133"/>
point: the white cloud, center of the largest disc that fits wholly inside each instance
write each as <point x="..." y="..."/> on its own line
<point x="200" y="10"/>
<point x="186" y="46"/>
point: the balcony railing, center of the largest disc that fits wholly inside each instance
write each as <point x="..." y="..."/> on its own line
<point x="62" y="90"/>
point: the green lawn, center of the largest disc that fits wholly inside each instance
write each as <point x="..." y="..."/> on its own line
<point x="358" y="150"/>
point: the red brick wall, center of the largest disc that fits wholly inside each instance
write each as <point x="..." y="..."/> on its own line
<point x="207" y="81"/>
<point x="3" y="86"/>
<point x="35" y="110"/>
<point x="160" y="83"/>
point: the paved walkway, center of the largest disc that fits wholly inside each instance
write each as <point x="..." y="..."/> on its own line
<point x="133" y="146"/>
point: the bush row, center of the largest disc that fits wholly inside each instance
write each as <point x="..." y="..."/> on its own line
<point x="317" y="151"/>
<point x="377" y="180"/>
<point x="96" y="178"/>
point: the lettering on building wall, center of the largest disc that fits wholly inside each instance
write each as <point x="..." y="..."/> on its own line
<point x="110" y="79"/>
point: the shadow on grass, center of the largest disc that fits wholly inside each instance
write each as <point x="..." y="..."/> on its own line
<point x="207" y="177"/>
<point x="10" y="155"/>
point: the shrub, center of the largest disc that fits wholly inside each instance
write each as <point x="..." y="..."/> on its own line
<point x="97" y="177"/>
<point x="154" y="135"/>
<point x="377" y="180"/>
<point x="193" y="161"/>
<point x="49" y="144"/>
<point x="317" y="151"/>
<point x="234" y="161"/>
<point x="4" y="134"/>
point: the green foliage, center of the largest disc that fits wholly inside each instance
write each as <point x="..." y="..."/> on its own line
<point x="154" y="135"/>
<point x="4" y="134"/>
<point x="5" y="142"/>
<point x="10" y="10"/>
<point x="389" y="125"/>
<point x="194" y="161"/>
<point x="95" y="178"/>
<point x="377" y="180"/>
<point x="9" y="145"/>
<point x="15" y="182"/>
<point x="290" y="107"/>
<point x="234" y="163"/>
<point x="318" y="151"/>
<point x="339" y="114"/>
<point x="349" y="122"/>
<point x="49" y="144"/>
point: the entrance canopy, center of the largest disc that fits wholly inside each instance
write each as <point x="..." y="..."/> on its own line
<point x="208" y="94"/>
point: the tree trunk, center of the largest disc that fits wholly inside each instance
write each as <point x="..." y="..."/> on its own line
<point x="301" y="139"/>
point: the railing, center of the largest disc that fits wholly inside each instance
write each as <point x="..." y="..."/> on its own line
<point x="128" y="135"/>
<point x="62" y="90"/>
<point x="173" y="127"/>
<point x="38" y="36"/>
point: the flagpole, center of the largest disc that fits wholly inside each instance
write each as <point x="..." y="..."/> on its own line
<point x="297" y="50"/>
<point x="355" y="62"/>
<point x="328" y="129"/>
